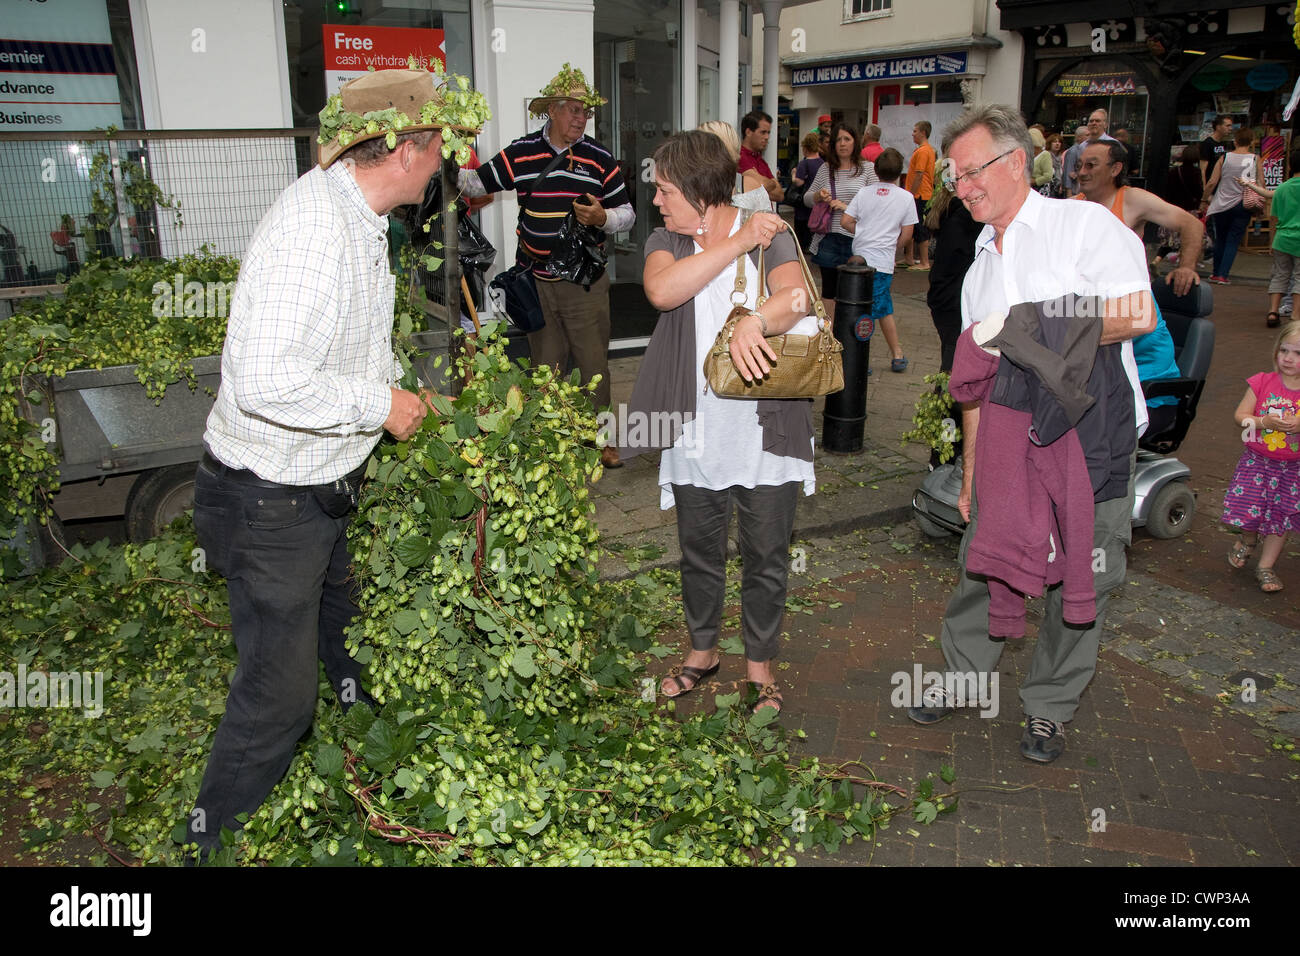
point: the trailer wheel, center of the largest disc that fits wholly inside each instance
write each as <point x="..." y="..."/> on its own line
<point x="1171" y="510"/>
<point x="157" y="499"/>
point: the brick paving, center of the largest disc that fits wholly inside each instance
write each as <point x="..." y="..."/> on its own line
<point x="1152" y="774"/>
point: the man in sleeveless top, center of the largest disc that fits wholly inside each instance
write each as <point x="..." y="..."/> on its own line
<point x="1102" y="180"/>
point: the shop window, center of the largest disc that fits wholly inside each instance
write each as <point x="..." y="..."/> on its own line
<point x="948" y="91"/>
<point x="304" y="25"/>
<point x="918" y="94"/>
<point x="867" y="9"/>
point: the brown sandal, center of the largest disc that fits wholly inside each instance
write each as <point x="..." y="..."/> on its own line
<point x="768" y="694"/>
<point x="1268" y="580"/>
<point x="693" y="674"/>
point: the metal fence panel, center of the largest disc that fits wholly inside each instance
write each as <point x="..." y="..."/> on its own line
<point x="65" y="199"/>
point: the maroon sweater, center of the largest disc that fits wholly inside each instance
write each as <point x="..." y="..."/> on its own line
<point x="1028" y="495"/>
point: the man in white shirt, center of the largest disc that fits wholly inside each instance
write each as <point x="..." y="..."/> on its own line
<point x="1035" y="249"/>
<point x="307" y="389"/>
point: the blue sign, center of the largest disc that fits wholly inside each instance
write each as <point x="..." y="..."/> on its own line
<point x="897" y="68"/>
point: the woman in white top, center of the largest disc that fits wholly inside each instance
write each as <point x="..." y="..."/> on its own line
<point x="851" y="172"/>
<point x="755" y="455"/>
<point x="1226" y="213"/>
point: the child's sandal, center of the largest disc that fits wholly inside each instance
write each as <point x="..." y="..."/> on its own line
<point x="1273" y="320"/>
<point x="1268" y="580"/>
<point x="1240" y="554"/>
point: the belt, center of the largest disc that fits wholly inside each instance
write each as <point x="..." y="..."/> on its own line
<point x="347" y="485"/>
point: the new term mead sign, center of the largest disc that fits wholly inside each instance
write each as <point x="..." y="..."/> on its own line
<point x="899" y="67"/>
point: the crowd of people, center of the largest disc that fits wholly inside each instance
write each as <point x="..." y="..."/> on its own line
<point x="308" y="377"/>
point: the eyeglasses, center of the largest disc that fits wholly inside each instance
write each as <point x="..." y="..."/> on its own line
<point x="950" y="181"/>
<point x="576" y="109"/>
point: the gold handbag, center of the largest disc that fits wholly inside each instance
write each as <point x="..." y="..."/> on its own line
<point x="806" y="365"/>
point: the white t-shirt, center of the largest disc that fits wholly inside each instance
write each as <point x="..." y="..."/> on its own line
<point x="1053" y="248"/>
<point x="723" y="445"/>
<point x="881" y="211"/>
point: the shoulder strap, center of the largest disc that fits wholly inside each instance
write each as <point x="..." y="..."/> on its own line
<point x="551" y="167"/>
<point x="521" y="254"/>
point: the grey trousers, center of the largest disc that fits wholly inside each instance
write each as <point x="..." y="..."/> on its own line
<point x="1065" y="657"/>
<point x="577" y="324"/>
<point x="764" y="522"/>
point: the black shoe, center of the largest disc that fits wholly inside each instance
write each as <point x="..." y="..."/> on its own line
<point x="1043" y="740"/>
<point x="937" y="707"/>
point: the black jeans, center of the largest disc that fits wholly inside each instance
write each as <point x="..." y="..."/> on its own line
<point x="287" y="571"/>
<point x="764" y="522"/>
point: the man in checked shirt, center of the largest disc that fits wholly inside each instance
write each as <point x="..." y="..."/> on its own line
<point x="307" y="377"/>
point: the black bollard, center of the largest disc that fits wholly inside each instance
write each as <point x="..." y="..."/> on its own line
<point x="845" y="417"/>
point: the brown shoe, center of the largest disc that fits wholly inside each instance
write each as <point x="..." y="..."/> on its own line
<point x="609" y="457"/>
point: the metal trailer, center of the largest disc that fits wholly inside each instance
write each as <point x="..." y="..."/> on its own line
<point x="105" y="425"/>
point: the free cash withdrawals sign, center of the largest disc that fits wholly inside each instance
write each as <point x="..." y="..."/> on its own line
<point x="57" y="70"/>
<point x="896" y="68"/>
<point x="350" y="51"/>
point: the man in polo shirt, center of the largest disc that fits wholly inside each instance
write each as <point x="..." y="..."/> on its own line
<point x="755" y="131"/>
<point x="1098" y="121"/>
<point x="307" y="389"/>
<point x="588" y="181"/>
<point x="1035" y="249"/>
<point x="920" y="183"/>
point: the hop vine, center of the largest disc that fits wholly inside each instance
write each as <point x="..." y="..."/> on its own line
<point x="933" y="423"/>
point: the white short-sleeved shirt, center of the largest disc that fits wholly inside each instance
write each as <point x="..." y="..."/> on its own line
<point x="1053" y="248"/>
<point x="722" y="445"/>
<point x="881" y="211"/>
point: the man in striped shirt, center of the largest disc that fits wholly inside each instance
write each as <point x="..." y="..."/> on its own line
<point x="588" y="181"/>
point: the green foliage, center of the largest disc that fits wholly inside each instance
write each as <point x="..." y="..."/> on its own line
<point x="113" y="313"/>
<point x="515" y="726"/>
<point x="137" y="185"/>
<point x="934" y="423"/>
<point x="460" y="112"/>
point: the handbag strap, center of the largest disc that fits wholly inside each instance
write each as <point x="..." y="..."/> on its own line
<point x="819" y="309"/>
<point x="739" y="289"/>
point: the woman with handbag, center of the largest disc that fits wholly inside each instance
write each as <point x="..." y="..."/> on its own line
<point x="832" y="189"/>
<point x="1224" y="202"/>
<point x="754" y="454"/>
<point x="800" y="180"/>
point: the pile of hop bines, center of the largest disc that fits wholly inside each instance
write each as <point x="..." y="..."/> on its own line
<point x="515" y="728"/>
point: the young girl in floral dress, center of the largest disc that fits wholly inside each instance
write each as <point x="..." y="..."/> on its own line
<point x="1264" y="494"/>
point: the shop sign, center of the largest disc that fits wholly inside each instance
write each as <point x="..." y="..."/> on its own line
<point x="57" y="70"/>
<point x="902" y="67"/>
<point x="352" y="50"/>
<point x="1270" y="154"/>
<point x="1096" y="84"/>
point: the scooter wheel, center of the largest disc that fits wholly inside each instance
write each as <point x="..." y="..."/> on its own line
<point x="1171" y="510"/>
